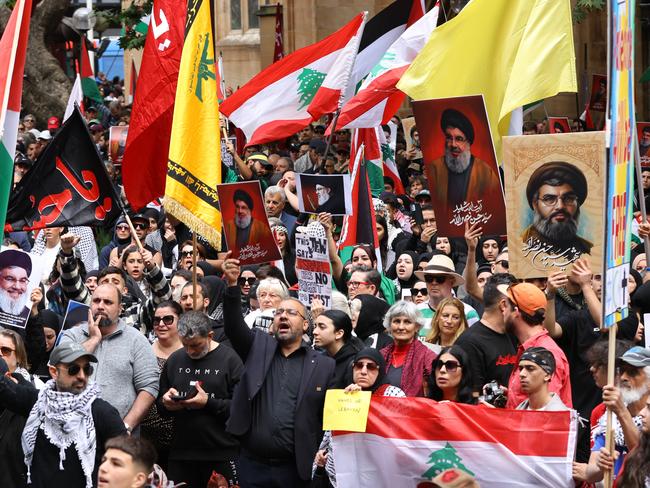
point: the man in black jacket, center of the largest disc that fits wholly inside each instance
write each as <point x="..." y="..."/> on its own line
<point x="277" y="408"/>
<point x="67" y="425"/>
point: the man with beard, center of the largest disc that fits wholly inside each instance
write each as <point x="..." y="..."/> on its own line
<point x="196" y="388"/>
<point x="244" y="229"/>
<point x="15" y="268"/>
<point x="128" y="377"/>
<point x="277" y="408"/>
<point x="459" y="176"/>
<point x="555" y="193"/>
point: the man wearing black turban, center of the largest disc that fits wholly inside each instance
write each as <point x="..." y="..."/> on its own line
<point x="458" y="176"/>
<point x="555" y="192"/>
<point x="15" y="268"/>
<point x="243" y="229"/>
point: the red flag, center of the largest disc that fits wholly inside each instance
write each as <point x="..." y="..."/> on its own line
<point x="144" y="166"/>
<point x="278" y="52"/>
<point x="134" y="79"/>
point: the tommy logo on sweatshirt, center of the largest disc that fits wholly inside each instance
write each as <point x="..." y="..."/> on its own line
<point x="199" y="371"/>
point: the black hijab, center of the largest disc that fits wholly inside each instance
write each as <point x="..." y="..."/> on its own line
<point x="374" y="355"/>
<point x="371" y="316"/>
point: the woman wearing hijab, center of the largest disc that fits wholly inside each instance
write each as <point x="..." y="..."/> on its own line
<point x="403" y="270"/>
<point x="368" y="320"/>
<point x="51" y="328"/>
<point x="368" y="368"/>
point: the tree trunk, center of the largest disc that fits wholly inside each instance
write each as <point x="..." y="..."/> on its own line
<point x="46" y="87"/>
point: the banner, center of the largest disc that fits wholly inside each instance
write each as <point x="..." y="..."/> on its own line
<point x="68" y="185"/>
<point x="409" y="441"/>
<point x="117" y="142"/>
<point x="619" y="177"/>
<point x="313" y="269"/>
<point x="460" y="164"/>
<point x="554" y="201"/>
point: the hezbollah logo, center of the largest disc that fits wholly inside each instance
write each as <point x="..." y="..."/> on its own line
<point x="443" y="459"/>
<point x="309" y="81"/>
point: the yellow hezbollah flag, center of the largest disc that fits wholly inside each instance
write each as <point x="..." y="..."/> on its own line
<point x="514" y="52"/>
<point x="194" y="166"/>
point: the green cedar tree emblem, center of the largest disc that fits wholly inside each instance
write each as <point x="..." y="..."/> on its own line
<point x="382" y="65"/>
<point x="309" y="81"/>
<point x="442" y="459"/>
<point x="387" y="153"/>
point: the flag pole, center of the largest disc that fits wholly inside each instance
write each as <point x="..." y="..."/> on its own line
<point x="132" y="229"/>
<point x="194" y="279"/>
<point x="639" y="182"/>
<point x="329" y="138"/>
<point x="12" y="62"/>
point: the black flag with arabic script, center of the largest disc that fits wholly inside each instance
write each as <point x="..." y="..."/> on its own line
<point x="67" y="186"/>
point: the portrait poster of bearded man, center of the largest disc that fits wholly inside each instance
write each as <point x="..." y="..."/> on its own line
<point x="554" y="201"/>
<point x="324" y="193"/>
<point x="245" y="224"/>
<point x="19" y="275"/>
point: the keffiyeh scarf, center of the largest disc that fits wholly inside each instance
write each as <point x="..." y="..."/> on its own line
<point x="65" y="418"/>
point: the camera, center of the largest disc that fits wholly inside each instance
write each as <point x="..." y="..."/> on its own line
<point x="493" y="394"/>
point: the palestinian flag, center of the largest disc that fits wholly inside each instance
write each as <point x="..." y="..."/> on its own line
<point x="409" y="441"/>
<point x="378" y="98"/>
<point x="388" y="148"/>
<point x="88" y="83"/>
<point x="367" y="141"/>
<point x="273" y="105"/>
<point x="13" y="51"/>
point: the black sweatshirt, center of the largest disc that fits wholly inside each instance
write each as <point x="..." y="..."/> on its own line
<point x="201" y="434"/>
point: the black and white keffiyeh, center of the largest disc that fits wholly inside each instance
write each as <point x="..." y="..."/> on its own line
<point x="65" y="418"/>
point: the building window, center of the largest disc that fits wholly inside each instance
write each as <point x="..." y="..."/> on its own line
<point x="253" y="19"/>
<point x="243" y="15"/>
<point x="235" y="15"/>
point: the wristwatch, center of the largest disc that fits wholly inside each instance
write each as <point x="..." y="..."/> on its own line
<point x="129" y="430"/>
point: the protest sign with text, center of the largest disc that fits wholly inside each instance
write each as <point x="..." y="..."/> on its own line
<point x="313" y="269"/>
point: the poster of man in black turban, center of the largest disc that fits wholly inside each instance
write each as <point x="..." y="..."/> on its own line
<point x="554" y="198"/>
<point x="19" y="275"/>
<point x="460" y="165"/>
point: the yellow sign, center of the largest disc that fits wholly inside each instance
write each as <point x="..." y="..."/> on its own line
<point x="346" y="411"/>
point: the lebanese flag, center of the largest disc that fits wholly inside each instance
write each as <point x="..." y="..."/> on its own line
<point x="378" y="98"/>
<point x="144" y="165"/>
<point x="359" y="227"/>
<point x="13" y="51"/>
<point x="329" y="98"/>
<point x="367" y="140"/>
<point x="409" y="441"/>
<point x="273" y="105"/>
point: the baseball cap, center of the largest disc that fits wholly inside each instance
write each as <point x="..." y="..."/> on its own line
<point x="69" y="352"/>
<point x="45" y="135"/>
<point x="526" y="297"/>
<point x="21" y="159"/>
<point x="53" y="123"/>
<point x="637" y="356"/>
<point x="96" y="128"/>
<point x="35" y="132"/>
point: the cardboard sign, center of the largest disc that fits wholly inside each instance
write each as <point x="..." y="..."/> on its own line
<point x="412" y="137"/>
<point x="248" y="234"/>
<point x="324" y="193"/>
<point x="313" y="270"/>
<point x="20" y="273"/>
<point x="461" y="165"/>
<point x="346" y="411"/>
<point x="643" y="133"/>
<point x="117" y="142"/>
<point x="598" y="97"/>
<point x="558" y="125"/>
<point x="549" y="225"/>
<point x="76" y="314"/>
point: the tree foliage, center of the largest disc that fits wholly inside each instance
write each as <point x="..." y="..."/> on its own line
<point x="584" y="7"/>
<point x="129" y="18"/>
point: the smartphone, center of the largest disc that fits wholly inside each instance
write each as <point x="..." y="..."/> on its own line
<point x="190" y="394"/>
<point x="416" y="213"/>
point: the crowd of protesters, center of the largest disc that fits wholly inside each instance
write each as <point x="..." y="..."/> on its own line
<point x="225" y="383"/>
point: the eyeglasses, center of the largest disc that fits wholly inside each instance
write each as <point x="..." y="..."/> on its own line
<point x="167" y="320"/>
<point x="458" y="139"/>
<point x="241" y="281"/>
<point x="450" y="365"/>
<point x="73" y="369"/>
<point x="358" y="366"/>
<point x="353" y="285"/>
<point x="11" y="280"/>
<point x="122" y="227"/>
<point x="6" y="351"/>
<point x="569" y="199"/>
<point x="440" y="279"/>
<point x="503" y="262"/>
<point x="141" y="225"/>
<point x="290" y="312"/>
<point x="419" y="291"/>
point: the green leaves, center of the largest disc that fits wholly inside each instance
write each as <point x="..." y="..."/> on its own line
<point x="584" y="7"/>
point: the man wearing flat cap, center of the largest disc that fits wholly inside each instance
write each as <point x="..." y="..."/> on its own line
<point x="15" y="268"/>
<point x="555" y="192"/>
<point x="458" y="176"/>
<point x="243" y="229"/>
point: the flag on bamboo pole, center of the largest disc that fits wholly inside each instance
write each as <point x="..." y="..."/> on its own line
<point x="88" y="83"/>
<point x="506" y="62"/>
<point x="144" y="164"/>
<point x="194" y="166"/>
<point x="13" y="51"/>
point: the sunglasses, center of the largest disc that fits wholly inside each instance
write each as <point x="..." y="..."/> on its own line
<point x="167" y="320"/>
<point x="418" y="291"/>
<point x="73" y="369"/>
<point x="122" y="227"/>
<point x="435" y="279"/>
<point x="141" y="225"/>
<point x="186" y="253"/>
<point x="504" y="263"/>
<point x="6" y="351"/>
<point x="246" y="281"/>
<point x="450" y="365"/>
<point x="358" y="366"/>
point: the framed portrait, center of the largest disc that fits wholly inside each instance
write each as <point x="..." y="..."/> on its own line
<point x="324" y="193"/>
<point x="558" y="125"/>
<point x="20" y="273"/>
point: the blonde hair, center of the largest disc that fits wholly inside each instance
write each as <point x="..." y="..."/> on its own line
<point x="434" y="334"/>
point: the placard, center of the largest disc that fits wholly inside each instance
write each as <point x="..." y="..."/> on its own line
<point x="643" y="133"/>
<point x="412" y="137"/>
<point x="324" y="193"/>
<point x="346" y="411"/>
<point x="554" y="201"/>
<point x="598" y="94"/>
<point x="76" y="314"/>
<point x="558" y="125"/>
<point x="313" y="269"/>
<point x="20" y="273"/>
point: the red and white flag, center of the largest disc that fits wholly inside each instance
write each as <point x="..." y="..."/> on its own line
<point x="409" y="441"/>
<point x="76" y="98"/>
<point x="378" y="98"/>
<point x="273" y="105"/>
<point x="144" y="166"/>
<point x="221" y="82"/>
